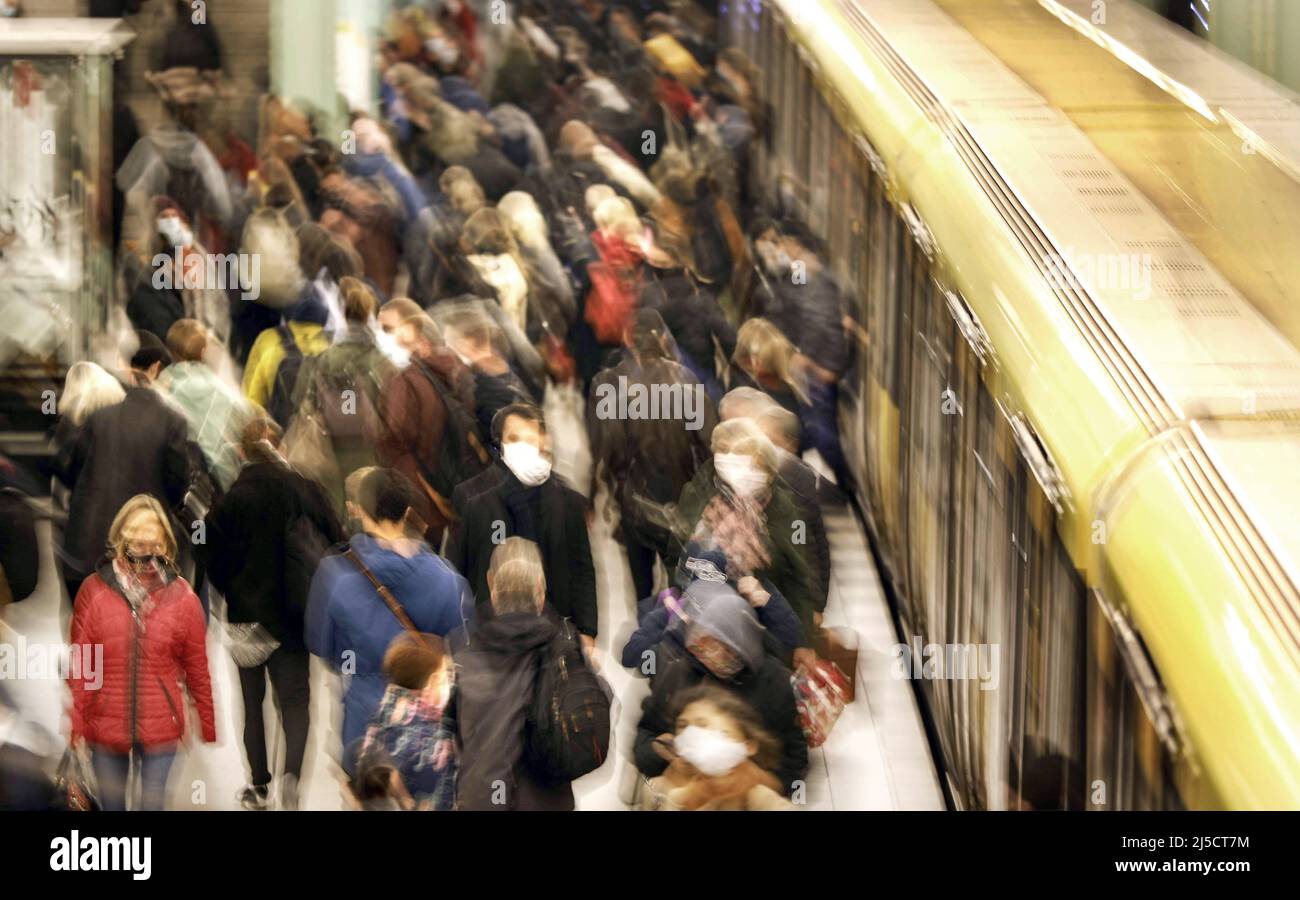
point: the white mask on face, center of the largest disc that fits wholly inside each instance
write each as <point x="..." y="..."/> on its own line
<point x="712" y="752"/>
<point x="526" y="462"/>
<point x="400" y="356"/>
<point x="741" y="473"/>
<point x="174" y="230"/>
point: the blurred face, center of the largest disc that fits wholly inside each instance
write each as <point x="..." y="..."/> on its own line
<point x="390" y="320"/>
<point x="144" y="541"/>
<point x="703" y="714"/>
<point x="520" y="430"/>
<point x="716" y="656"/>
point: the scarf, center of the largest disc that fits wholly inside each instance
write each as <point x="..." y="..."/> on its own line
<point x="738" y="527"/>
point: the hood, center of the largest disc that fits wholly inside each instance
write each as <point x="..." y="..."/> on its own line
<point x="515" y="633"/>
<point x="175" y="145"/>
<point x="719" y="611"/>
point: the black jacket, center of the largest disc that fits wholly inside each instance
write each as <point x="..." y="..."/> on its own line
<point x="134" y="447"/>
<point x="496" y="679"/>
<point x="801" y="478"/>
<point x="812" y="316"/>
<point x="245" y="549"/>
<point x="560" y="531"/>
<point x="767" y="690"/>
<point x="691" y="312"/>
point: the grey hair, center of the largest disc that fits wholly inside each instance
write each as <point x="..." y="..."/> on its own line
<point x="518" y="581"/>
<point x="744" y="403"/>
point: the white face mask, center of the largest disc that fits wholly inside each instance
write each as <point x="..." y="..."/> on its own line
<point x="712" y="752"/>
<point x="400" y="356"/>
<point x="526" y="462"/>
<point x="174" y="230"/>
<point x="740" y="473"/>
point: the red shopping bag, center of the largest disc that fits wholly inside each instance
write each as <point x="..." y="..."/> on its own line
<point x="821" y="691"/>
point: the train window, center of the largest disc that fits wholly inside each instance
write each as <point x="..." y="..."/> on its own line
<point x="819" y="165"/>
<point x="1130" y="765"/>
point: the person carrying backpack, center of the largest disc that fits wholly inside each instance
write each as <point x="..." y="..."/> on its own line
<point x="340" y="388"/>
<point x="530" y="714"/>
<point x="427" y="428"/>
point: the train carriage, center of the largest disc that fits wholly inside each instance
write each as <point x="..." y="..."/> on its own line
<point x="1099" y="485"/>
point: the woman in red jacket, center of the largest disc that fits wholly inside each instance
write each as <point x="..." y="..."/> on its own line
<point x="129" y="708"/>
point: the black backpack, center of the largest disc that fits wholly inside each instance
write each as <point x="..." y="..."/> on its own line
<point x="463" y="453"/>
<point x="569" y="724"/>
<point x="281" y="406"/>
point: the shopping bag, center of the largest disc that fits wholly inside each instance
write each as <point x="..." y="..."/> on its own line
<point x="821" y="691"/>
<point x="75" y="783"/>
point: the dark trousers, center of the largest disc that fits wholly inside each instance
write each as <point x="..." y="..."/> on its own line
<point x="289" y="670"/>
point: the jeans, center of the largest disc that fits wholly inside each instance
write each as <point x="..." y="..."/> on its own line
<point x="112" y="771"/>
<point x="289" y="669"/>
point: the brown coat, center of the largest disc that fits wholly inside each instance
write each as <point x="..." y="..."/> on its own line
<point x="415" y="422"/>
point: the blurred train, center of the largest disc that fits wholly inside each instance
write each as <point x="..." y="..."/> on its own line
<point x="1074" y="438"/>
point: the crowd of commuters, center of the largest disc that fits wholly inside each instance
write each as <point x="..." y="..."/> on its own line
<point x="352" y="461"/>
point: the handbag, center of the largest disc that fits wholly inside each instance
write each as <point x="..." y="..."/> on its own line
<point x="75" y="783"/>
<point x="820" y="694"/>
<point x="309" y="449"/>
<point x="250" y="644"/>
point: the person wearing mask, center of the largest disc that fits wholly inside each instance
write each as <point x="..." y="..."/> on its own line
<point x="147" y="622"/>
<point x="416" y="415"/>
<point x="647" y="460"/>
<point x="738" y="506"/>
<point x="215" y="411"/>
<point x="721" y="757"/>
<point x="519" y="496"/>
<point x="498" y="661"/>
<point x="249" y="552"/>
<point x="782" y="428"/>
<point x="724" y="643"/>
<point x="349" y="623"/>
<point x="135" y="446"/>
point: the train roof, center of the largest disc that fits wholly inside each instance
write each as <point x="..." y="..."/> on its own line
<point x="1167" y="400"/>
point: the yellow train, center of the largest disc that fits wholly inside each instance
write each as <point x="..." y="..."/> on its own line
<point x="1074" y="420"/>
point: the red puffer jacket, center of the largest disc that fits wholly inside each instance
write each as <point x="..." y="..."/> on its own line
<point x="134" y="695"/>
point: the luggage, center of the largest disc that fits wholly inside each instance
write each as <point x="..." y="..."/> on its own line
<point x="821" y="692"/>
<point x="840" y="646"/>
<point x="569" y="724"/>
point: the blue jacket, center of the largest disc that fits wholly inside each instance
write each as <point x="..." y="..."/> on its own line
<point x="350" y="627"/>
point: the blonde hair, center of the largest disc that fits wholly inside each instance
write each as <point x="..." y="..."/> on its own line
<point x="88" y="388"/>
<point x="526" y="221"/>
<point x="186" y="340"/>
<point x="760" y="342"/>
<point x="618" y="216"/>
<point x="744" y="436"/>
<point x="596" y="195"/>
<point x="141" y="503"/>
<point x="359" y="302"/>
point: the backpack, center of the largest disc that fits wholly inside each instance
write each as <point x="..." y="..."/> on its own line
<point x="462" y="454"/>
<point x="346" y="407"/>
<point x="569" y="723"/>
<point x="281" y="407"/>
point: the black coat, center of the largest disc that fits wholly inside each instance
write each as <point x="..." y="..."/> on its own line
<point x="561" y="532"/>
<point x="767" y="691"/>
<point x="801" y="478"/>
<point x="20" y="559"/>
<point x="246" y="550"/>
<point x="691" y="312"/>
<point x="134" y="447"/>
<point x="496" y="679"/>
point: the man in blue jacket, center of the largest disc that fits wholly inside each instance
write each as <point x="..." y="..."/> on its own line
<point x="349" y="625"/>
